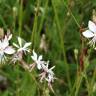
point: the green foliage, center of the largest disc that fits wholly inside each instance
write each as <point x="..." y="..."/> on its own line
<point x="60" y="21"/>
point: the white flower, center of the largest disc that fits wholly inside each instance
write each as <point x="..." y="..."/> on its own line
<point x="91" y="33"/>
<point x="45" y="68"/>
<point x="50" y="78"/>
<point x="46" y="72"/>
<point x="17" y="57"/>
<point x="5" y="48"/>
<point x="37" y="60"/>
<point x="22" y="46"/>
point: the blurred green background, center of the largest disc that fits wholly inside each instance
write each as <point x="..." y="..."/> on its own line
<point x="60" y="21"/>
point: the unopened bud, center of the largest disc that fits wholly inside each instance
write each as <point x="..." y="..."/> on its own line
<point x="76" y="53"/>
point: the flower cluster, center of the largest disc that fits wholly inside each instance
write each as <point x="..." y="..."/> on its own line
<point x="91" y="33"/>
<point x="22" y="48"/>
<point x="5" y="48"/>
<point x="43" y="66"/>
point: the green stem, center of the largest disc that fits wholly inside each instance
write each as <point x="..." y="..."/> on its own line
<point x="62" y="46"/>
<point x="35" y="25"/>
<point x="88" y="87"/>
<point x="20" y="17"/>
<point x="43" y="17"/>
<point x="69" y="10"/>
<point x="34" y="30"/>
<point x="79" y="80"/>
<point x="92" y="82"/>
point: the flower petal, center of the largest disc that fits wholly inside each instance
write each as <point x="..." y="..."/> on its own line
<point x="16" y="45"/>
<point x="92" y="26"/>
<point x="9" y="50"/>
<point x="88" y="34"/>
<point x="39" y="66"/>
<point x="10" y="36"/>
<point x="27" y="45"/>
<point x="20" y="41"/>
<point x="5" y="42"/>
<point x="34" y="56"/>
<point x="40" y="58"/>
<point x="52" y="68"/>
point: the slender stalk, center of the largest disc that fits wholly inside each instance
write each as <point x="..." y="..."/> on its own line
<point x="87" y="85"/>
<point x="92" y="82"/>
<point x="20" y="17"/>
<point x="79" y="80"/>
<point x="62" y="45"/>
<point x="14" y="20"/>
<point x="19" y="30"/>
<point x="26" y="67"/>
<point x="71" y="14"/>
<point x="43" y="17"/>
<point x="34" y="30"/>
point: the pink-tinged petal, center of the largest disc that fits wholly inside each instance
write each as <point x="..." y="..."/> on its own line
<point x="5" y="42"/>
<point x="9" y="50"/>
<point x="5" y="39"/>
<point x="92" y="26"/>
<point x="45" y="67"/>
<point x="88" y="34"/>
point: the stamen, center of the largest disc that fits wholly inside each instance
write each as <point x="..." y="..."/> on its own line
<point x="92" y="42"/>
